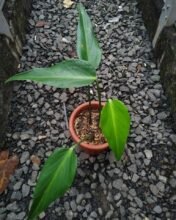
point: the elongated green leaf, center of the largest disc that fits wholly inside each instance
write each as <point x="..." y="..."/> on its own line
<point x="115" y="124"/>
<point x="67" y="74"/>
<point x="56" y="177"/>
<point x="87" y="44"/>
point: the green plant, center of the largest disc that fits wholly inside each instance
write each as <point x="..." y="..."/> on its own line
<point x="59" y="170"/>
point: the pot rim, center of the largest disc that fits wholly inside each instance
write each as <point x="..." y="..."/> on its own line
<point x="75" y="113"/>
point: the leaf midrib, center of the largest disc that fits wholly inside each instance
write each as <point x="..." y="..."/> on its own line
<point x="113" y="122"/>
<point x="62" y="77"/>
<point x="84" y="35"/>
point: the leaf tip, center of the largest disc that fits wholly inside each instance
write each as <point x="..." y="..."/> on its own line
<point x="79" y="6"/>
<point x="8" y="80"/>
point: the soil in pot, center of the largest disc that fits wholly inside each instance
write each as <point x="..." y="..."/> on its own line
<point x="89" y="131"/>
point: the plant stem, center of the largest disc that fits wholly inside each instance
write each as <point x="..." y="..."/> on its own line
<point x="99" y="97"/>
<point x="77" y="144"/>
<point x="90" y="112"/>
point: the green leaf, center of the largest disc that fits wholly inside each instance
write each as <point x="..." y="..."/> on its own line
<point x="115" y="125"/>
<point x="87" y="44"/>
<point x="55" y="179"/>
<point x="67" y="74"/>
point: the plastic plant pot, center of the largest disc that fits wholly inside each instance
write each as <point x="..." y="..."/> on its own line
<point x="87" y="147"/>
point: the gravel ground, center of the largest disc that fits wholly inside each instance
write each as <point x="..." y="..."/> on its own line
<point x="143" y="185"/>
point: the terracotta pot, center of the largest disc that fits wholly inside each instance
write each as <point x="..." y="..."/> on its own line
<point x="89" y="148"/>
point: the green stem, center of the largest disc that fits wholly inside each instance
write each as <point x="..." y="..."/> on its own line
<point x="77" y="144"/>
<point x="90" y="112"/>
<point x="99" y="97"/>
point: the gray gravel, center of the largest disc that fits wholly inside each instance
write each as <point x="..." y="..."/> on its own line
<point x="142" y="185"/>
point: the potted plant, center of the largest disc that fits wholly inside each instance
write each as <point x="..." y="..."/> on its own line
<point x="111" y="119"/>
